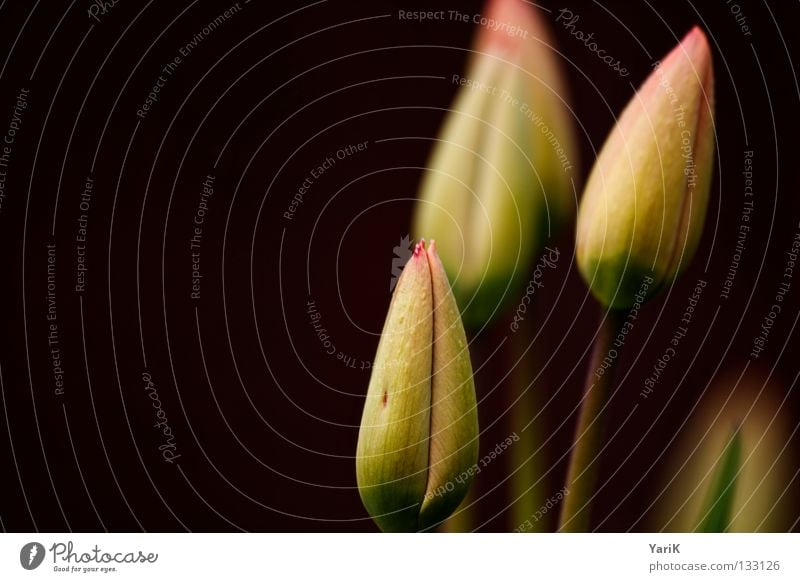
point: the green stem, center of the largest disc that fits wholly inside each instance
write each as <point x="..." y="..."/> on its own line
<point x="582" y="473"/>
<point x="525" y="466"/>
<point x="463" y="518"/>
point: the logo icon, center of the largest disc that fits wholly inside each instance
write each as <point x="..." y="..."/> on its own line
<point x="402" y="252"/>
<point x="31" y="555"/>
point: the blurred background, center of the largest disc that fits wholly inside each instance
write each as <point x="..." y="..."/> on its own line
<point x="206" y="371"/>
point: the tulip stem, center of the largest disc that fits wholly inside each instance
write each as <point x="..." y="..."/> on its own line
<point x="526" y="483"/>
<point x="582" y="473"/>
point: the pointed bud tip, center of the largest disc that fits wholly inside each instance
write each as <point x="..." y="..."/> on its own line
<point x="496" y="39"/>
<point x="434" y="261"/>
<point x="696" y="43"/>
<point x="420" y="246"/>
<point x="694" y="35"/>
<point x="694" y="46"/>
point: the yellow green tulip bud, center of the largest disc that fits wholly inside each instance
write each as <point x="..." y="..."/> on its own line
<point x="418" y="443"/>
<point x="498" y="180"/>
<point x="735" y="464"/>
<point x="645" y="202"/>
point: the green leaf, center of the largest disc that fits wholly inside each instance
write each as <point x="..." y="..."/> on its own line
<point x="715" y="515"/>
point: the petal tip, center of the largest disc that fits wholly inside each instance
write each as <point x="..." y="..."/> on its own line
<point x="695" y="43"/>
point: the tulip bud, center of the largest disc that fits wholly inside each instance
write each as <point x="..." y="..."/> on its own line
<point x="735" y="462"/>
<point x="717" y="510"/>
<point x="418" y="443"/>
<point x="498" y="180"/>
<point x="644" y="205"/>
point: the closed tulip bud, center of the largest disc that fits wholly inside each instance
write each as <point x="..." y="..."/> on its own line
<point x="498" y="180"/>
<point x="735" y="463"/>
<point x="645" y="202"/>
<point x="418" y="443"/>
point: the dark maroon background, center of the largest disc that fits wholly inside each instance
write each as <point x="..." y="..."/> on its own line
<point x="266" y="428"/>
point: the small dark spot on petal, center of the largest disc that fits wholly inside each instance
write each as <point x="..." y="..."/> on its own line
<point x="385" y="397"/>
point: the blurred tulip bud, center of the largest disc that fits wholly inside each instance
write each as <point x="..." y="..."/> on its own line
<point x="717" y="510"/>
<point x="645" y="202"/>
<point x="734" y="468"/>
<point x="498" y="181"/>
<point x="418" y="443"/>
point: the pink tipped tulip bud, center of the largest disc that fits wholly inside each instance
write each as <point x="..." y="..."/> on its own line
<point x="499" y="177"/>
<point x="644" y="205"/>
<point x="418" y="443"/>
